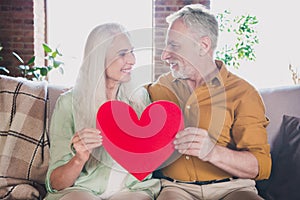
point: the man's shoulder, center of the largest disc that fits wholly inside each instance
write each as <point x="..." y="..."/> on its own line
<point x="240" y="85"/>
<point x="165" y="77"/>
<point x="162" y="88"/>
<point x="239" y="81"/>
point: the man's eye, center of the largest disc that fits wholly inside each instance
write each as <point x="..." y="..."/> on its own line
<point x="173" y="46"/>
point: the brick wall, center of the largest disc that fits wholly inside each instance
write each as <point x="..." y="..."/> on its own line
<point x="17" y="32"/>
<point x="22" y="29"/>
<point x="161" y="9"/>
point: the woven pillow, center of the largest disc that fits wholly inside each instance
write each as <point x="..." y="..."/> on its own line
<point x="24" y="146"/>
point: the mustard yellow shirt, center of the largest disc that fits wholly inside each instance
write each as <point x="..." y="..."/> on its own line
<point x="230" y="109"/>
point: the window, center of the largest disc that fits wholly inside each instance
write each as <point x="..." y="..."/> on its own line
<point x="70" y="22"/>
<point x="279" y="40"/>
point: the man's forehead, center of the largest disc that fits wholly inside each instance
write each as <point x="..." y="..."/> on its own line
<point x="175" y="35"/>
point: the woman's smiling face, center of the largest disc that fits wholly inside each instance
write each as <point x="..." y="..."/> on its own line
<point x="119" y="60"/>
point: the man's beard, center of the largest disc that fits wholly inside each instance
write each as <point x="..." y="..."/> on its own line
<point x="178" y="74"/>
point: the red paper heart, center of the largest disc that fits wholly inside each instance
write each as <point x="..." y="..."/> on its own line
<point x="139" y="145"/>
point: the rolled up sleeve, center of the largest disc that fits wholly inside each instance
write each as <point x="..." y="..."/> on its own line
<point x="249" y="131"/>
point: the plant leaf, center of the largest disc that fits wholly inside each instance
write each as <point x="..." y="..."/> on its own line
<point x="23" y="67"/>
<point x="36" y="75"/>
<point x="57" y="63"/>
<point x="32" y="59"/>
<point x="54" y="54"/>
<point x="56" y="50"/>
<point x="4" y="69"/>
<point x="61" y="70"/>
<point x="47" y="49"/>
<point x="44" y="71"/>
<point x="18" y="57"/>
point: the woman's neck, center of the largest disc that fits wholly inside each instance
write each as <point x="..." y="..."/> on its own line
<point x="112" y="90"/>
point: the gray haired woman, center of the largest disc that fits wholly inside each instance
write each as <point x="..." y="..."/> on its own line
<point x="80" y="168"/>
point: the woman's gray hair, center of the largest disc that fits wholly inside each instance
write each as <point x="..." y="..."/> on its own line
<point x="101" y="34"/>
<point x="199" y="20"/>
<point x="89" y="91"/>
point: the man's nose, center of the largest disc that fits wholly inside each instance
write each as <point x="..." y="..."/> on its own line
<point x="165" y="55"/>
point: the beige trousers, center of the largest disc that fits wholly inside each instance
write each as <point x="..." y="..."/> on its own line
<point x="236" y="189"/>
<point x="78" y="195"/>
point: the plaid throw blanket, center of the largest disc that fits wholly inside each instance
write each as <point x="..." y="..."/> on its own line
<point x="24" y="145"/>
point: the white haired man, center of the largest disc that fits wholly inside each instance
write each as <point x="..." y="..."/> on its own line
<point x="223" y="148"/>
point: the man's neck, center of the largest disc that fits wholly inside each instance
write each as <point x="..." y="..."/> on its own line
<point x="211" y="72"/>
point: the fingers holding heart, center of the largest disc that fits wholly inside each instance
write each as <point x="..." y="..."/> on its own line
<point x="194" y="142"/>
<point x="85" y="140"/>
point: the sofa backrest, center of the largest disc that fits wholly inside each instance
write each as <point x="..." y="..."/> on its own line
<point x="279" y="101"/>
<point x="53" y="93"/>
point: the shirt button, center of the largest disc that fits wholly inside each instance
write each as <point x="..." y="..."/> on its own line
<point x="187" y="157"/>
<point x="188" y="107"/>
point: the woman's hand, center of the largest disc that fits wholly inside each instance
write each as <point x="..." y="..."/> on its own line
<point x="84" y="141"/>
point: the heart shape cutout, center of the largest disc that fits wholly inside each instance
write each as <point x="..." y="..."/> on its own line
<point x="139" y="145"/>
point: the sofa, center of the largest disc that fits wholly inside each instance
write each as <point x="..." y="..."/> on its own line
<point x="283" y="109"/>
<point x="25" y="113"/>
<point x="22" y="176"/>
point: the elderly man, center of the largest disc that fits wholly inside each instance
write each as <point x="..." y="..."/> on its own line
<point x="224" y="147"/>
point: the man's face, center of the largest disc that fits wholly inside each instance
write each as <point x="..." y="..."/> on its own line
<point x="181" y="51"/>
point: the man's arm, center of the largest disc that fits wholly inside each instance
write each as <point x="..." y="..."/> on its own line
<point x="196" y="142"/>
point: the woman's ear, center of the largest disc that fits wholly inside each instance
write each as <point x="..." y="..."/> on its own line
<point x="205" y="45"/>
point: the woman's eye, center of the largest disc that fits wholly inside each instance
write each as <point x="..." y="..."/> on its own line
<point x="122" y="54"/>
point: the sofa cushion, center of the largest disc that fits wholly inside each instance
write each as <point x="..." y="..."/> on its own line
<point x="24" y="145"/>
<point x="278" y="101"/>
<point x="285" y="177"/>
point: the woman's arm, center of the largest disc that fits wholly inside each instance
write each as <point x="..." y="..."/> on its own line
<point x="66" y="163"/>
<point x="83" y="142"/>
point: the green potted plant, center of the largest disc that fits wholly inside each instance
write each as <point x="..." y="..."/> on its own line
<point x="32" y="72"/>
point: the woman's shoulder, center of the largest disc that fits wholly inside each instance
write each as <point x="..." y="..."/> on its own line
<point x="65" y="96"/>
<point x="65" y="100"/>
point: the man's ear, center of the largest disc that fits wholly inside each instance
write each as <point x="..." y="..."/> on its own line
<point x="205" y="45"/>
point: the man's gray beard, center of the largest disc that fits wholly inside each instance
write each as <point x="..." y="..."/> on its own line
<point x="178" y="75"/>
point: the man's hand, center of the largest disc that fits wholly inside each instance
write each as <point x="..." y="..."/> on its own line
<point x="195" y="142"/>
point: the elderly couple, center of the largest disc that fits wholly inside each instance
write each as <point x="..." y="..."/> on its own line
<point x="223" y="148"/>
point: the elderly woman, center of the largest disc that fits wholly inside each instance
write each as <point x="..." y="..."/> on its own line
<point x="80" y="168"/>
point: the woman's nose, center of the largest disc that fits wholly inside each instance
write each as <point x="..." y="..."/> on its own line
<point x="130" y="58"/>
